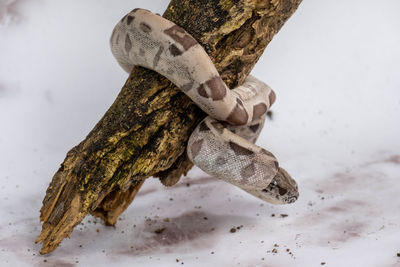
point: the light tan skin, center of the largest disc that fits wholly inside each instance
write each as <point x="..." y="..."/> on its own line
<point x="223" y="144"/>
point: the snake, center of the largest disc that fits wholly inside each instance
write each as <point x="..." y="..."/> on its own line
<point x="223" y="144"/>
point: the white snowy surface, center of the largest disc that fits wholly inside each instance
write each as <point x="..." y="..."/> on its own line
<point x="335" y="68"/>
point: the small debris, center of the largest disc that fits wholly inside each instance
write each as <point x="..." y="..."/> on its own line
<point x="177" y="260"/>
<point x="171" y="199"/>
<point x="187" y="184"/>
<point x="205" y="218"/>
<point x="323" y="263"/>
<point x="284" y="215"/>
<point x="274" y="251"/>
<point x="233" y="230"/>
<point x="398" y="254"/>
<point x="44" y="260"/>
<point x="212" y="252"/>
<point x="276" y="245"/>
<point x="98" y="230"/>
<point x="160" y="230"/>
<point x="166" y="220"/>
<point x="273" y="215"/>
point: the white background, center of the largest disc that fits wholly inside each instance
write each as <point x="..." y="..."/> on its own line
<point x="335" y="69"/>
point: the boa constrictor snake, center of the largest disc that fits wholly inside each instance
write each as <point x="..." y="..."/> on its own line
<point x="222" y="145"/>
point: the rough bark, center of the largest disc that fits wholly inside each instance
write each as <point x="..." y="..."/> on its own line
<point x="145" y="131"/>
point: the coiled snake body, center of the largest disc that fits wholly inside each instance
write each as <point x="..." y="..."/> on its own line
<point x="222" y="145"/>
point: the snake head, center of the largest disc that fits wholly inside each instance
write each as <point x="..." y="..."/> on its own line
<point x="282" y="190"/>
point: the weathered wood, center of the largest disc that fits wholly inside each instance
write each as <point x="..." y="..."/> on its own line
<point x="145" y="131"/>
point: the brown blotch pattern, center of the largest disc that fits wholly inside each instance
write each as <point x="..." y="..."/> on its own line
<point x="175" y="51"/>
<point x="217" y="88"/>
<point x="145" y="27"/>
<point x="202" y="91"/>
<point x="254" y="128"/>
<point x="282" y="191"/>
<point x="196" y="147"/>
<point x="157" y="56"/>
<point x="128" y="43"/>
<point x="248" y="171"/>
<point x="272" y="98"/>
<point x="259" y="110"/>
<point x="203" y="127"/>
<point x="238" y="115"/>
<point x="239" y="150"/>
<point x="181" y="36"/>
<point x="129" y="20"/>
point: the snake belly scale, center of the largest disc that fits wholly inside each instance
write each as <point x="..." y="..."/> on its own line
<point x="222" y="145"/>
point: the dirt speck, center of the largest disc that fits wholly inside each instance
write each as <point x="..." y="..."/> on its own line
<point x="160" y="230"/>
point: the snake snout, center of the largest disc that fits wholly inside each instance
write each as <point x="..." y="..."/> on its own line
<point x="292" y="199"/>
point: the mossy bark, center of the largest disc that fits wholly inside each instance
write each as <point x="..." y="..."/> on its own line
<point x="145" y="131"/>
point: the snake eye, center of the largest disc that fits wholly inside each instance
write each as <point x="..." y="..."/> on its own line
<point x="272" y="185"/>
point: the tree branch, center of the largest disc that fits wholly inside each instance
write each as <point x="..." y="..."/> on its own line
<point x="145" y="131"/>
